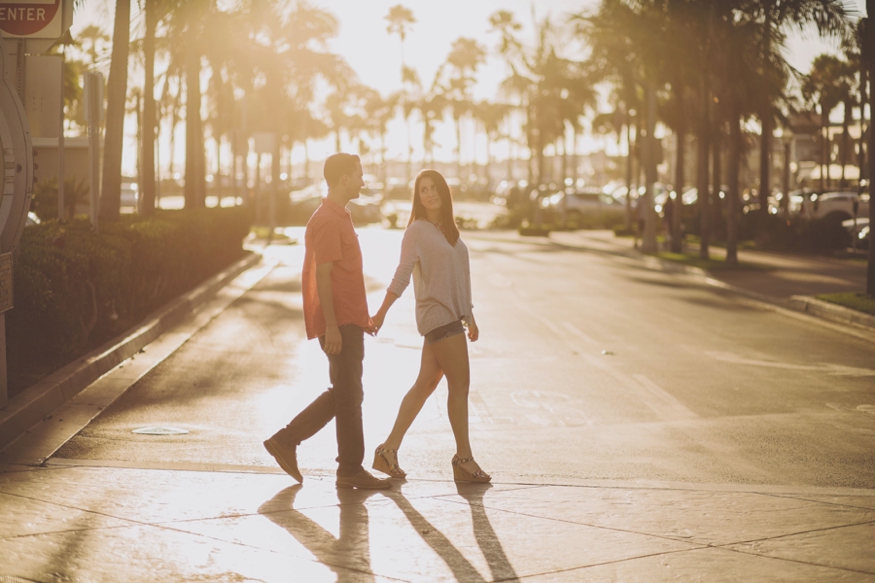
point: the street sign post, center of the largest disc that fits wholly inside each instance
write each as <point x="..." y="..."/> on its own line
<point x="93" y="116"/>
<point x="16" y="187"/>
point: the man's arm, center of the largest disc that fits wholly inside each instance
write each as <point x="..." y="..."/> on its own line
<point x="333" y="340"/>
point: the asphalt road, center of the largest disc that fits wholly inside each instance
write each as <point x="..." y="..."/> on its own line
<point x="588" y="367"/>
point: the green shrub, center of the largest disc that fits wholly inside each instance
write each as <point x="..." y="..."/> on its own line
<point x="45" y="197"/>
<point x="776" y="233"/>
<point x="75" y="289"/>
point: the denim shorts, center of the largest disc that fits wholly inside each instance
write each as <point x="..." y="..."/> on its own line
<point x="445" y="331"/>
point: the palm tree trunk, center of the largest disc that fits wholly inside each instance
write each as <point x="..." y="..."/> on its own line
<point x="824" y="145"/>
<point x="117" y="87"/>
<point x="195" y="177"/>
<point x="870" y="42"/>
<point x="628" y="175"/>
<point x="648" y="242"/>
<point x="863" y="100"/>
<point x="147" y="179"/>
<point x="217" y="178"/>
<point x="677" y="205"/>
<point x="846" y="121"/>
<point x="766" y="122"/>
<point x="459" y="147"/>
<point x="307" y="160"/>
<point x="733" y="195"/>
<point x="703" y="178"/>
<point x="765" y="161"/>
<point x="717" y="205"/>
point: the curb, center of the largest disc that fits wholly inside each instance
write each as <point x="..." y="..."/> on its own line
<point x="832" y="312"/>
<point x="28" y="408"/>
<point x="804" y="304"/>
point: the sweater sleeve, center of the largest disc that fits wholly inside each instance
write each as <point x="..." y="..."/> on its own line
<point x="470" y="307"/>
<point x="409" y="257"/>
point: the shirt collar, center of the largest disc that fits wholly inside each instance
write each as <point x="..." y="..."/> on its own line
<point x="334" y="207"/>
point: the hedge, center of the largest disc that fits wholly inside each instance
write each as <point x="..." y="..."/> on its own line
<point x="74" y="289"/>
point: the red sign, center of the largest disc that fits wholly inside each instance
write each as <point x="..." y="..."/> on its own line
<point x="28" y="17"/>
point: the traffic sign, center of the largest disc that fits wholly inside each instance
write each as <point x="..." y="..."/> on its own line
<point x="35" y="18"/>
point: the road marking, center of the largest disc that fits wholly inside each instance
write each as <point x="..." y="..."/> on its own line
<point x="827" y="368"/>
<point x="578" y="333"/>
<point x="550" y="409"/>
<point x="663" y="402"/>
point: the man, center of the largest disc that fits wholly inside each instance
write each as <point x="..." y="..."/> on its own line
<point x="335" y="312"/>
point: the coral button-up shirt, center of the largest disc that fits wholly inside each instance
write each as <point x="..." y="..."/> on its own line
<point x="331" y="238"/>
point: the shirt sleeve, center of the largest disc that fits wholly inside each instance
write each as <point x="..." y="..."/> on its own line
<point x="409" y="257"/>
<point x="470" y="307"/>
<point x="326" y="242"/>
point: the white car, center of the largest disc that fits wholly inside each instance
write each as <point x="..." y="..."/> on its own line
<point x="838" y="206"/>
<point x="572" y="204"/>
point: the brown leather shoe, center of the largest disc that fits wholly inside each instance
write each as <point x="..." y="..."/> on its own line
<point x="286" y="457"/>
<point x="363" y="481"/>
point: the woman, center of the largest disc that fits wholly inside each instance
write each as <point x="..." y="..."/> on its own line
<point x="438" y="259"/>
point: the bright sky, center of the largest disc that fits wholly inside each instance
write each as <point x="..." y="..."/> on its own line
<point x="375" y="55"/>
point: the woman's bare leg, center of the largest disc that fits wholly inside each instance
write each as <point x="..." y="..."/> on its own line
<point x="430" y="375"/>
<point x="452" y="356"/>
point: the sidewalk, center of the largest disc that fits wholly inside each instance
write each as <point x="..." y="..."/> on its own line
<point x="112" y="524"/>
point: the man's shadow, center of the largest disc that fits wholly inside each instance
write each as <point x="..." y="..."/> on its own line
<point x="348" y="554"/>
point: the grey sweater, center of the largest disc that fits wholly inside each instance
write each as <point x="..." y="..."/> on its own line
<point x="441" y="276"/>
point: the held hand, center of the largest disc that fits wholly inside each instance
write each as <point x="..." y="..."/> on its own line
<point x="371" y="328"/>
<point x="377" y="321"/>
<point x="333" y="341"/>
<point x="473" y="332"/>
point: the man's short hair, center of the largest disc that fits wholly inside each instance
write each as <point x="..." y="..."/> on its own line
<point x="338" y="165"/>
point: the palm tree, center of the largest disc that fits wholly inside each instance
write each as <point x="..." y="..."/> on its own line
<point x="550" y="89"/>
<point x="738" y="91"/>
<point x="117" y="84"/>
<point x="465" y="57"/>
<point x="400" y="19"/>
<point x="380" y="111"/>
<point x="490" y="115"/>
<point x="822" y="86"/>
<point x="777" y="16"/>
<point x="868" y="45"/>
<point x="150" y="120"/>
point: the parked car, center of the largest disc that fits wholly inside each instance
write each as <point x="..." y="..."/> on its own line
<point x="570" y="205"/>
<point x="838" y="206"/>
<point x="365" y="209"/>
<point x="129" y="197"/>
<point x="858" y="229"/>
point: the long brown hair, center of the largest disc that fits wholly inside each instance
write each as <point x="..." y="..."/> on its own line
<point x="448" y="220"/>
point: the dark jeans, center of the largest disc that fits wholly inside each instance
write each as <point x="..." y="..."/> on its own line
<point x="342" y="400"/>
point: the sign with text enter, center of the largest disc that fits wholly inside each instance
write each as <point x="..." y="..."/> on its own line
<point x="32" y="19"/>
<point x="5" y="282"/>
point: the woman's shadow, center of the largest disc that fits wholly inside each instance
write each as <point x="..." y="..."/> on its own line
<point x="348" y="554"/>
<point x="488" y="541"/>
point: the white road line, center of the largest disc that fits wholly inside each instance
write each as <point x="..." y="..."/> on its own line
<point x="662" y="402"/>
<point x="826" y="368"/>
<point x="578" y="333"/>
